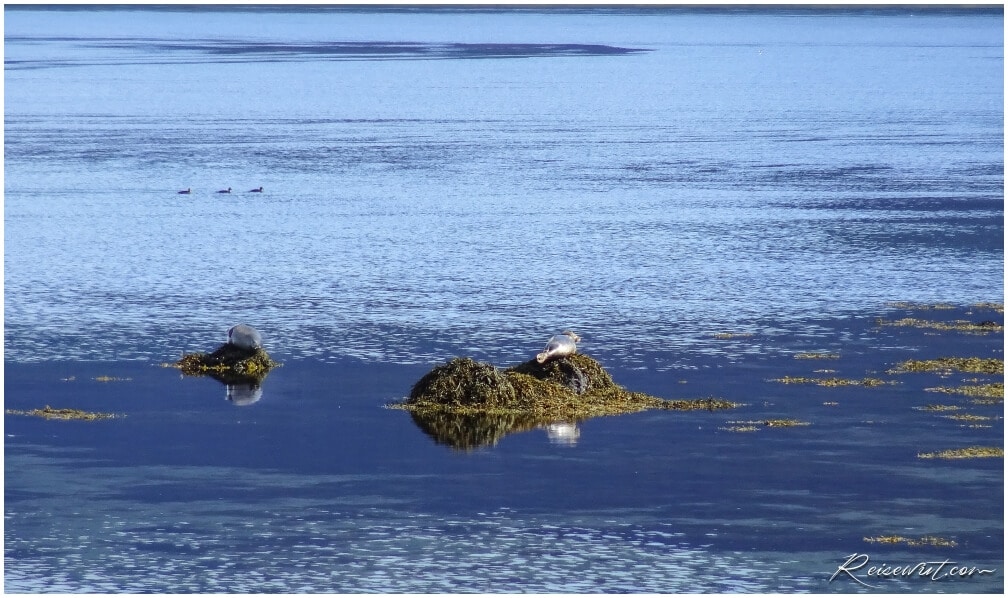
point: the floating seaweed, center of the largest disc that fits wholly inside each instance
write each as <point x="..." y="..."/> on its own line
<point x="998" y="307"/>
<point x="920" y="306"/>
<point x="228" y="364"/>
<point x="973" y="452"/>
<point x="939" y="408"/>
<point x="465" y="403"/>
<point x="983" y="391"/>
<point x="830" y="382"/>
<point x="985" y="327"/>
<point x="979" y="365"/>
<point x="817" y="355"/>
<point x="111" y="379"/>
<point x="63" y="414"/>
<point x="969" y="417"/>
<point x="731" y="335"/>
<point x="752" y="426"/>
<point x="922" y="541"/>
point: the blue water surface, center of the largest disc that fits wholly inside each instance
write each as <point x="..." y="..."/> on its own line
<point x="463" y="182"/>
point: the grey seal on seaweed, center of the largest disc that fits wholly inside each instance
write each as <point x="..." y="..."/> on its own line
<point x="244" y="337"/>
<point x="561" y="345"/>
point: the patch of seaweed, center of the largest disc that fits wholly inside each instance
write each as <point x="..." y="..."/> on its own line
<point x="830" y="382"/>
<point x="978" y="365"/>
<point x="984" y="327"/>
<point x="229" y="364"/>
<point x="983" y="391"/>
<point x="465" y="403"/>
<point x="63" y="414"/>
<point x="969" y="417"/>
<point x="998" y="307"/>
<point x="972" y="452"/>
<point x="752" y="426"/>
<point x="922" y="541"/>
<point x="919" y="306"/>
<point x="817" y="355"/>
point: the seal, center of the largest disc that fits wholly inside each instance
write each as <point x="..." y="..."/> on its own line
<point x="244" y="337"/>
<point x="561" y="345"/>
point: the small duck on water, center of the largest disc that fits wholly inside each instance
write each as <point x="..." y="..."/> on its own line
<point x="259" y="190"/>
<point x="561" y="345"/>
<point x="185" y="191"/>
<point x="228" y="190"/>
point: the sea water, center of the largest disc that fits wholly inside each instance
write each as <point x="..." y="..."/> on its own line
<point x="448" y="182"/>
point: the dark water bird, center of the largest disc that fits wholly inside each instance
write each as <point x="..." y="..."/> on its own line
<point x="228" y="190"/>
<point x="259" y="190"/>
<point x="244" y="337"/>
<point x="186" y="191"/>
<point x="560" y="345"/>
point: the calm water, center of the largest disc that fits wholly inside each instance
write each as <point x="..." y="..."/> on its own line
<point x="446" y="183"/>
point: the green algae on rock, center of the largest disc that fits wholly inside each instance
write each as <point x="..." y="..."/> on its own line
<point x="466" y="403"/>
<point x="229" y="364"/>
<point x="63" y="414"/>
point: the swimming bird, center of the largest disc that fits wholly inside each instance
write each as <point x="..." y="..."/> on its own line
<point x="228" y="190"/>
<point x="244" y="337"/>
<point x="259" y="190"/>
<point x="186" y="191"/>
<point x="560" y="345"/>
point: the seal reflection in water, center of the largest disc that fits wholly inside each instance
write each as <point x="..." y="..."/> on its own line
<point x="561" y="345"/>
<point x="244" y="337"/>
<point x="563" y="433"/>
<point x="243" y="394"/>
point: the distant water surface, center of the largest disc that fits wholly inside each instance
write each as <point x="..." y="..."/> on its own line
<point x="442" y="183"/>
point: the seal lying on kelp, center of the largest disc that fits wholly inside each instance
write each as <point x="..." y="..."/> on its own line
<point x="561" y="345"/>
<point x="244" y="337"/>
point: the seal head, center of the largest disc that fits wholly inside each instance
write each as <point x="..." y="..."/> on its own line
<point x="244" y="337"/>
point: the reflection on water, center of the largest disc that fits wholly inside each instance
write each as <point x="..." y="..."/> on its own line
<point x="242" y="395"/>
<point x="563" y="433"/>
<point x="472" y="430"/>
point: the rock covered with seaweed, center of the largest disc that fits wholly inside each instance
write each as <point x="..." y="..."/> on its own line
<point x="466" y="403"/>
<point x="233" y="362"/>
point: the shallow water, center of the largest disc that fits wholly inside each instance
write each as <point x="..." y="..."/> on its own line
<point x="449" y="182"/>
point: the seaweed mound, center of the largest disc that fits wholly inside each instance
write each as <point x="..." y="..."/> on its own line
<point x="570" y="388"/>
<point x="229" y="364"/>
<point x="467" y="404"/>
